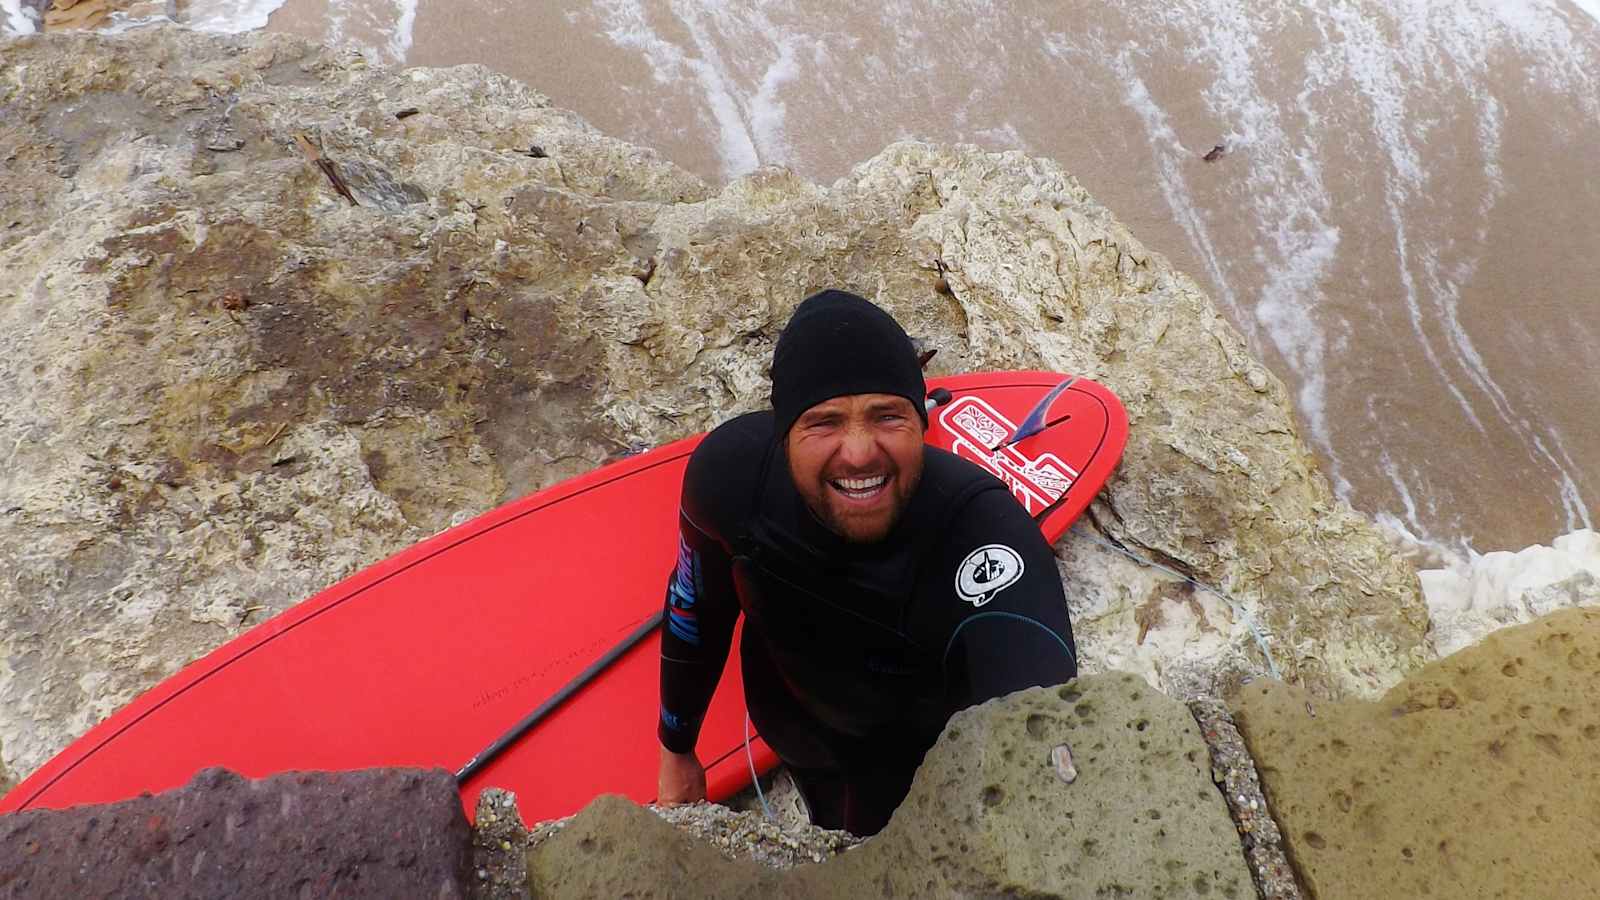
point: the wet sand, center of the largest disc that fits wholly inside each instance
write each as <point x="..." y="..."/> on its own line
<point x="1401" y="220"/>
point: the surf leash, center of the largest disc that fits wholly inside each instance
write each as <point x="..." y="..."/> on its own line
<point x="487" y="754"/>
<point x="755" y="779"/>
<point x="1256" y="631"/>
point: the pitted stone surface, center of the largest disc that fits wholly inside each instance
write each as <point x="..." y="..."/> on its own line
<point x="989" y="815"/>
<point x="379" y="833"/>
<point x="616" y="848"/>
<point x="1477" y="777"/>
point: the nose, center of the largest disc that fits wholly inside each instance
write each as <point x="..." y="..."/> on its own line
<point x="859" y="448"/>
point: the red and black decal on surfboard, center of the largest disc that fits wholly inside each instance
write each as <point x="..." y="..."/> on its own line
<point x="977" y="427"/>
<point x="1053" y="439"/>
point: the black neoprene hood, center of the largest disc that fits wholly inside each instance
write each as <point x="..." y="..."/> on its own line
<point x="837" y="344"/>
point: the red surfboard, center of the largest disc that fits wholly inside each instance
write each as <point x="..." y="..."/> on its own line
<point x="426" y="657"/>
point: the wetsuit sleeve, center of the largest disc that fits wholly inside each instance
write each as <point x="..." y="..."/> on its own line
<point x="701" y="608"/>
<point x="1012" y="630"/>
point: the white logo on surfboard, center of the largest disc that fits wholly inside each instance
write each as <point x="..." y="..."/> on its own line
<point x="975" y="427"/>
<point x="987" y="571"/>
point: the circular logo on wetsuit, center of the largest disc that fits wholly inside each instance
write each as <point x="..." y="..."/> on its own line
<point x="987" y="571"/>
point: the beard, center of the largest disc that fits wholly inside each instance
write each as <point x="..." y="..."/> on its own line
<point x="849" y="518"/>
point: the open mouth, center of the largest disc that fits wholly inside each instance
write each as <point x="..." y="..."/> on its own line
<point x="860" y="488"/>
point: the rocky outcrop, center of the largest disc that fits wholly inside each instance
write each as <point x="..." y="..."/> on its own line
<point x="1098" y="788"/>
<point x="226" y="385"/>
<point x="616" y="848"/>
<point x="1476" y="777"/>
<point x="378" y="833"/>
<point x="501" y="843"/>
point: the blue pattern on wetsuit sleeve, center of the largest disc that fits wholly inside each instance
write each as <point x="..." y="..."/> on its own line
<point x="673" y="720"/>
<point x="682" y="594"/>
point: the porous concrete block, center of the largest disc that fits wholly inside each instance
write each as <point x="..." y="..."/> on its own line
<point x="991" y="814"/>
<point x="1479" y="776"/>
<point x="379" y="833"/>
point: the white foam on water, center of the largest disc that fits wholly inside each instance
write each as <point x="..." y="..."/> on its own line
<point x="1540" y="29"/>
<point x="338" y="11"/>
<point x="230" y="16"/>
<point x="744" y="56"/>
<point x="405" y="23"/>
<point x="1419" y="548"/>
<point x="1403" y="73"/>
<point x="1283" y="185"/>
<point x="1572" y="504"/>
<point x="1592" y="7"/>
<point x="626" y="24"/>
<point x="766" y="111"/>
<point x="737" y="138"/>
<point x="213" y="16"/>
<point x="1170" y="155"/>
<point x="1003" y="137"/>
<point x="1445" y="285"/>
<point x="18" y="21"/>
<point x="1409" y="523"/>
<point x="1473" y="597"/>
<point x="391" y="23"/>
<point x="1354" y="49"/>
<point x="1300" y="248"/>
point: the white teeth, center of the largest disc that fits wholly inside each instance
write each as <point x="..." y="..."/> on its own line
<point x="860" y="484"/>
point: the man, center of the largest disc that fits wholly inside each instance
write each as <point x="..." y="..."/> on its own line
<point x="885" y="584"/>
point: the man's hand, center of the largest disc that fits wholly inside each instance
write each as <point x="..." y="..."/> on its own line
<point x="682" y="779"/>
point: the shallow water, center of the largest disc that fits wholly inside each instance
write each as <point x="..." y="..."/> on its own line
<point x="1400" y="217"/>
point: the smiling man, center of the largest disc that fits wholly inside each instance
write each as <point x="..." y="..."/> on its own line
<point x="885" y="584"/>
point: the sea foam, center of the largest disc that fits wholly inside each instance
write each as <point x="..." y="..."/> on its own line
<point x="16" y="19"/>
<point x="1470" y="599"/>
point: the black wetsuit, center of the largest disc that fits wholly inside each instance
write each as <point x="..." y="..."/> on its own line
<point x="854" y="655"/>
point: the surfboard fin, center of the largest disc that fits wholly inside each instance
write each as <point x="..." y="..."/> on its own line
<point x="1035" y="421"/>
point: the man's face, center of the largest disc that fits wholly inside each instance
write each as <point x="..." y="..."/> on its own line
<point x="856" y="461"/>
